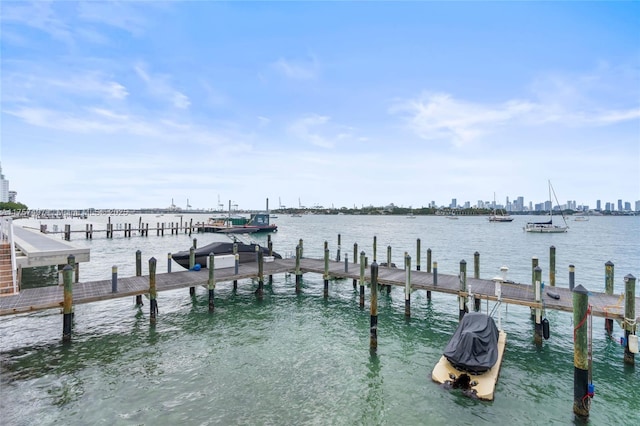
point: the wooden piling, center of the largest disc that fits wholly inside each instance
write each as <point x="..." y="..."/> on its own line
<point x="211" y="284"/>
<point x="418" y="254"/>
<point x="552" y="266"/>
<point x="375" y="247"/>
<point x="301" y="248"/>
<point x="298" y="273"/>
<point x="476" y="265"/>
<point x="572" y="276"/>
<point x="629" y="316"/>
<point x="192" y="264"/>
<point x="608" y="289"/>
<point x="373" y="328"/>
<point x="153" y="293"/>
<point x="236" y="257"/>
<point x="67" y="307"/>
<point x="139" y="274"/>
<point x="169" y="262"/>
<point x="407" y="287"/>
<point x="581" y="401"/>
<point x="260" y="291"/>
<point x="537" y="288"/>
<point x="362" y="269"/>
<point x="326" y="271"/>
<point x="388" y="257"/>
<point x="355" y="262"/>
<point x="114" y="279"/>
<point x="435" y="277"/>
<point x="462" y="299"/>
<point x="338" y="253"/>
<point x="346" y="263"/>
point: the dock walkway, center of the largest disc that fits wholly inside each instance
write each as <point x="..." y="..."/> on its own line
<point x="29" y="300"/>
<point x="37" y="249"/>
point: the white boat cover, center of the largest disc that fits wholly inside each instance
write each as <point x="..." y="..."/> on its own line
<point x="474" y="345"/>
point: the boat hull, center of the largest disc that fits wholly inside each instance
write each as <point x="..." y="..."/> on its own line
<point x="483" y="384"/>
<point x="246" y="253"/>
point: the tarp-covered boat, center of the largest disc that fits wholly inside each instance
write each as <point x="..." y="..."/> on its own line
<point x="471" y="360"/>
<point x="246" y="251"/>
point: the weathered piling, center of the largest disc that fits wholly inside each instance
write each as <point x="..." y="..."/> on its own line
<point x="325" y="275"/>
<point x="236" y="257"/>
<point x="375" y="247"/>
<point x="260" y="290"/>
<point x="373" y="328"/>
<point x="476" y="274"/>
<point x="608" y="289"/>
<point x="88" y="233"/>
<point x="581" y="401"/>
<point x="346" y="263"/>
<point x="418" y="254"/>
<point x="537" y="334"/>
<point x="71" y="260"/>
<point x="407" y="287"/>
<point x="169" y="262"/>
<point x="153" y="293"/>
<point x="388" y="257"/>
<point x="462" y="298"/>
<point x="270" y="251"/>
<point x="195" y="243"/>
<point x="355" y="262"/>
<point x="572" y="276"/>
<point x="435" y="274"/>
<point x="67" y="307"/>
<point x="435" y="277"/>
<point x="114" y="279"/>
<point x="139" y="274"/>
<point x="338" y="253"/>
<point x="298" y="273"/>
<point x="629" y="318"/>
<point x="362" y="266"/>
<point x="552" y="266"/>
<point x="192" y="264"/>
<point x="211" y="283"/>
<point x="301" y="248"/>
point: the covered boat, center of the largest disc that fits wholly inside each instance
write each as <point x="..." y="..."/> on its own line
<point x="247" y="253"/>
<point x="474" y="345"/>
<point x="471" y="360"/>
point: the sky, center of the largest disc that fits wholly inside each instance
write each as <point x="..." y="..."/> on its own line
<point x="135" y="104"/>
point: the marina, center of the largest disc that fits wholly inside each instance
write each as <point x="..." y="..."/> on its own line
<point x="433" y="310"/>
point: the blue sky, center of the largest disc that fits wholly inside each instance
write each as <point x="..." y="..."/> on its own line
<point x="133" y="104"/>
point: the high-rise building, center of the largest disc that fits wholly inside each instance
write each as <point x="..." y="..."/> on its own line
<point x="619" y="205"/>
<point x="4" y="188"/>
<point x="598" y="205"/>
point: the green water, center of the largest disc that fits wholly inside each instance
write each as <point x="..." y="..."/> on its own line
<point x="292" y="359"/>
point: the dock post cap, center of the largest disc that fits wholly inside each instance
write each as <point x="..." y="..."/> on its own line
<point x="629" y="277"/>
<point x="580" y="290"/>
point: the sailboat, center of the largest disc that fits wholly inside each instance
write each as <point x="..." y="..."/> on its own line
<point x="498" y="216"/>
<point x="547" y="227"/>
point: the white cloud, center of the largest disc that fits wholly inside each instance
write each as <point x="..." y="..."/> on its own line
<point x="305" y="129"/>
<point x="158" y="86"/>
<point x="297" y="70"/>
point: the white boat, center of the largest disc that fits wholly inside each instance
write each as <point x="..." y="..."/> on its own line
<point x="411" y="215"/>
<point x="547" y="227"/>
<point x="581" y="218"/>
<point x="499" y="216"/>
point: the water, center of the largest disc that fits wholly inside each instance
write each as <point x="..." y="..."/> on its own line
<point x="301" y="359"/>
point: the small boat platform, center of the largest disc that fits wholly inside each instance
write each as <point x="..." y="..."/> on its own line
<point x="482" y="385"/>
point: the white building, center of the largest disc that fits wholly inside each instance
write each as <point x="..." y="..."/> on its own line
<point x="4" y="188"/>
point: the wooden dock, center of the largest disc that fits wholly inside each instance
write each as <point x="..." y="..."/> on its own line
<point x="29" y="300"/>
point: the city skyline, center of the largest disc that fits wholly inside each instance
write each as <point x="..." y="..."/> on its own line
<point x="126" y="104"/>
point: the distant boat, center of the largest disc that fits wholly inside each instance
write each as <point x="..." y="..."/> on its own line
<point x="411" y="215"/>
<point x="547" y="227"/>
<point x="581" y="218"/>
<point x="452" y="216"/>
<point x="498" y="215"/>
<point x="296" y="215"/>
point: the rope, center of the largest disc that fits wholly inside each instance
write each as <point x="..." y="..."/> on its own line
<point x="586" y="314"/>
